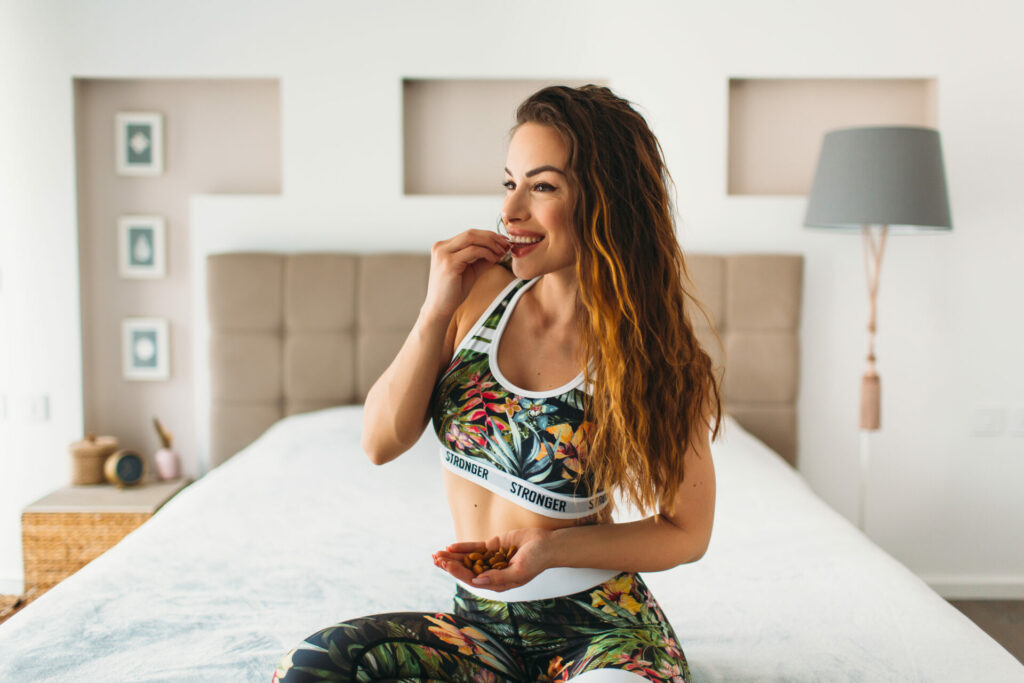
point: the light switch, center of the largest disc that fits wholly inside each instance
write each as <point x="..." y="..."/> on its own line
<point x="39" y="408"/>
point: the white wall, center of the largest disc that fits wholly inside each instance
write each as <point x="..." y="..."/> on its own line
<point x="942" y="501"/>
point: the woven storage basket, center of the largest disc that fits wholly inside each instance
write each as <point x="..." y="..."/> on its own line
<point x="57" y="544"/>
<point x="88" y="457"/>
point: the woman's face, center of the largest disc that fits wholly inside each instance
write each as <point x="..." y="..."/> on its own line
<point x="538" y="200"/>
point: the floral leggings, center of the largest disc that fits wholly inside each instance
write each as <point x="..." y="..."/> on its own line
<point x="615" y="625"/>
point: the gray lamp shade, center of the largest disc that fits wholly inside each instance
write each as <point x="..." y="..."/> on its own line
<point x="880" y="175"/>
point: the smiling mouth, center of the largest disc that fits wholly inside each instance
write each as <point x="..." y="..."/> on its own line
<point x="523" y="240"/>
<point x="518" y="248"/>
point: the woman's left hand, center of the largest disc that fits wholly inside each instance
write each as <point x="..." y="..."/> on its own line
<point x="532" y="556"/>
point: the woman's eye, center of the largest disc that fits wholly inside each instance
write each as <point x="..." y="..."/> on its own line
<point x="540" y="187"/>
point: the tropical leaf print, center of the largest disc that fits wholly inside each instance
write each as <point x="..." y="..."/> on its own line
<point x="523" y="464"/>
<point x="536" y="412"/>
<point x="575" y="399"/>
<point x="470" y="641"/>
<point x="616" y="595"/>
<point x="540" y="440"/>
<point x="490" y="641"/>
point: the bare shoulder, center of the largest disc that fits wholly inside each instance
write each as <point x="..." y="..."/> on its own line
<point x="483" y="293"/>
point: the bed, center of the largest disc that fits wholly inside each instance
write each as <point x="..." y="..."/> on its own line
<point x="293" y="529"/>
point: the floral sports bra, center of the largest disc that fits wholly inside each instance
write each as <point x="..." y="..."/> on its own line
<point x="528" y="447"/>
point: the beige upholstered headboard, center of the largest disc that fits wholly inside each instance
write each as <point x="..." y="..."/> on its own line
<point x="295" y="332"/>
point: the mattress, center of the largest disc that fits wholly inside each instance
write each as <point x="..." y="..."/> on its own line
<point x="299" y="531"/>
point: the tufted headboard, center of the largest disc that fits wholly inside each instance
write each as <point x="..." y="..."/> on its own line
<point x="296" y="332"/>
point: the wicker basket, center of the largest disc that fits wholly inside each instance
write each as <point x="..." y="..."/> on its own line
<point x="57" y="544"/>
<point x="88" y="457"/>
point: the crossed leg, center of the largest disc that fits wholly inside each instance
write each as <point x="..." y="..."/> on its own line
<point x="400" y="645"/>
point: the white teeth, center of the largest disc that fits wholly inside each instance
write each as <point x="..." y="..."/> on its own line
<point x="515" y="239"/>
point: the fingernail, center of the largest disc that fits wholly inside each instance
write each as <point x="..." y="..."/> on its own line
<point x="481" y="581"/>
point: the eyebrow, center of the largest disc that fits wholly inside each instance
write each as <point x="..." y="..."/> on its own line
<point x="539" y="169"/>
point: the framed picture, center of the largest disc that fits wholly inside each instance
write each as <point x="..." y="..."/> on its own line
<point x="139" y="143"/>
<point x="145" y="349"/>
<point x="140" y="247"/>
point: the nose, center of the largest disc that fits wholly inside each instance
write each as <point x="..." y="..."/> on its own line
<point x="514" y="208"/>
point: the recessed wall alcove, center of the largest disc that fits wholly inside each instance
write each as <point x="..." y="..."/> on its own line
<point x="776" y="125"/>
<point x="220" y="135"/>
<point x="455" y="131"/>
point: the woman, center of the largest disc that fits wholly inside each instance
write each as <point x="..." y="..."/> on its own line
<point x="533" y="440"/>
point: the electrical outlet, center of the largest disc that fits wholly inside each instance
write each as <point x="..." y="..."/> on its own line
<point x="39" y="408"/>
<point x="1017" y="419"/>
<point x="989" y="420"/>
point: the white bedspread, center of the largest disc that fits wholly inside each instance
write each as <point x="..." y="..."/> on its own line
<point x="299" y="531"/>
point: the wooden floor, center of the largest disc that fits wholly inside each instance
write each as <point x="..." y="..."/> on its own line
<point x="1001" y="619"/>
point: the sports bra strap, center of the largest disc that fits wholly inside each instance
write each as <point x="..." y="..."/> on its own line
<point x="480" y="336"/>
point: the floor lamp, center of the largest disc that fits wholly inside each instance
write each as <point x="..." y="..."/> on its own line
<point x="888" y="176"/>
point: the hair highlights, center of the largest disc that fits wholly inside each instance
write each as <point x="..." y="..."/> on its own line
<point x="654" y="385"/>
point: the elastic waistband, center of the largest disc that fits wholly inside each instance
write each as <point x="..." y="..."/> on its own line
<point x="553" y="582"/>
<point x="521" y="492"/>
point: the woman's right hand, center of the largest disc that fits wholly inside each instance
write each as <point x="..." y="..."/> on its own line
<point x="455" y="264"/>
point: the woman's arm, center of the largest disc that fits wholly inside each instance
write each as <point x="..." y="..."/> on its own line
<point x="395" y="410"/>
<point x="653" y="544"/>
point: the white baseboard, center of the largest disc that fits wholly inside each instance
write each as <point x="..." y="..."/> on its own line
<point x="977" y="587"/>
<point x="12" y="586"/>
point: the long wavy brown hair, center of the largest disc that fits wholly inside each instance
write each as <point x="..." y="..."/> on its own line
<point x="654" y="386"/>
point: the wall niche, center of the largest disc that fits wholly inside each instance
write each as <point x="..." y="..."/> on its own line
<point x="455" y="132"/>
<point x="219" y="136"/>
<point x="776" y="125"/>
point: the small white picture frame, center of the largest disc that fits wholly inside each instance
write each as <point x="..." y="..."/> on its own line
<point x="141" y="247"/>
<point x="145" y="349"/>
<point x="139" y="142"/>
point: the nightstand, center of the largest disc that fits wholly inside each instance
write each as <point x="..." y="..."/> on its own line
<point x="65" y="530"/>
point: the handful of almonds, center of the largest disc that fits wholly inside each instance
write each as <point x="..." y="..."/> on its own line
<point x="482" y="559"/>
